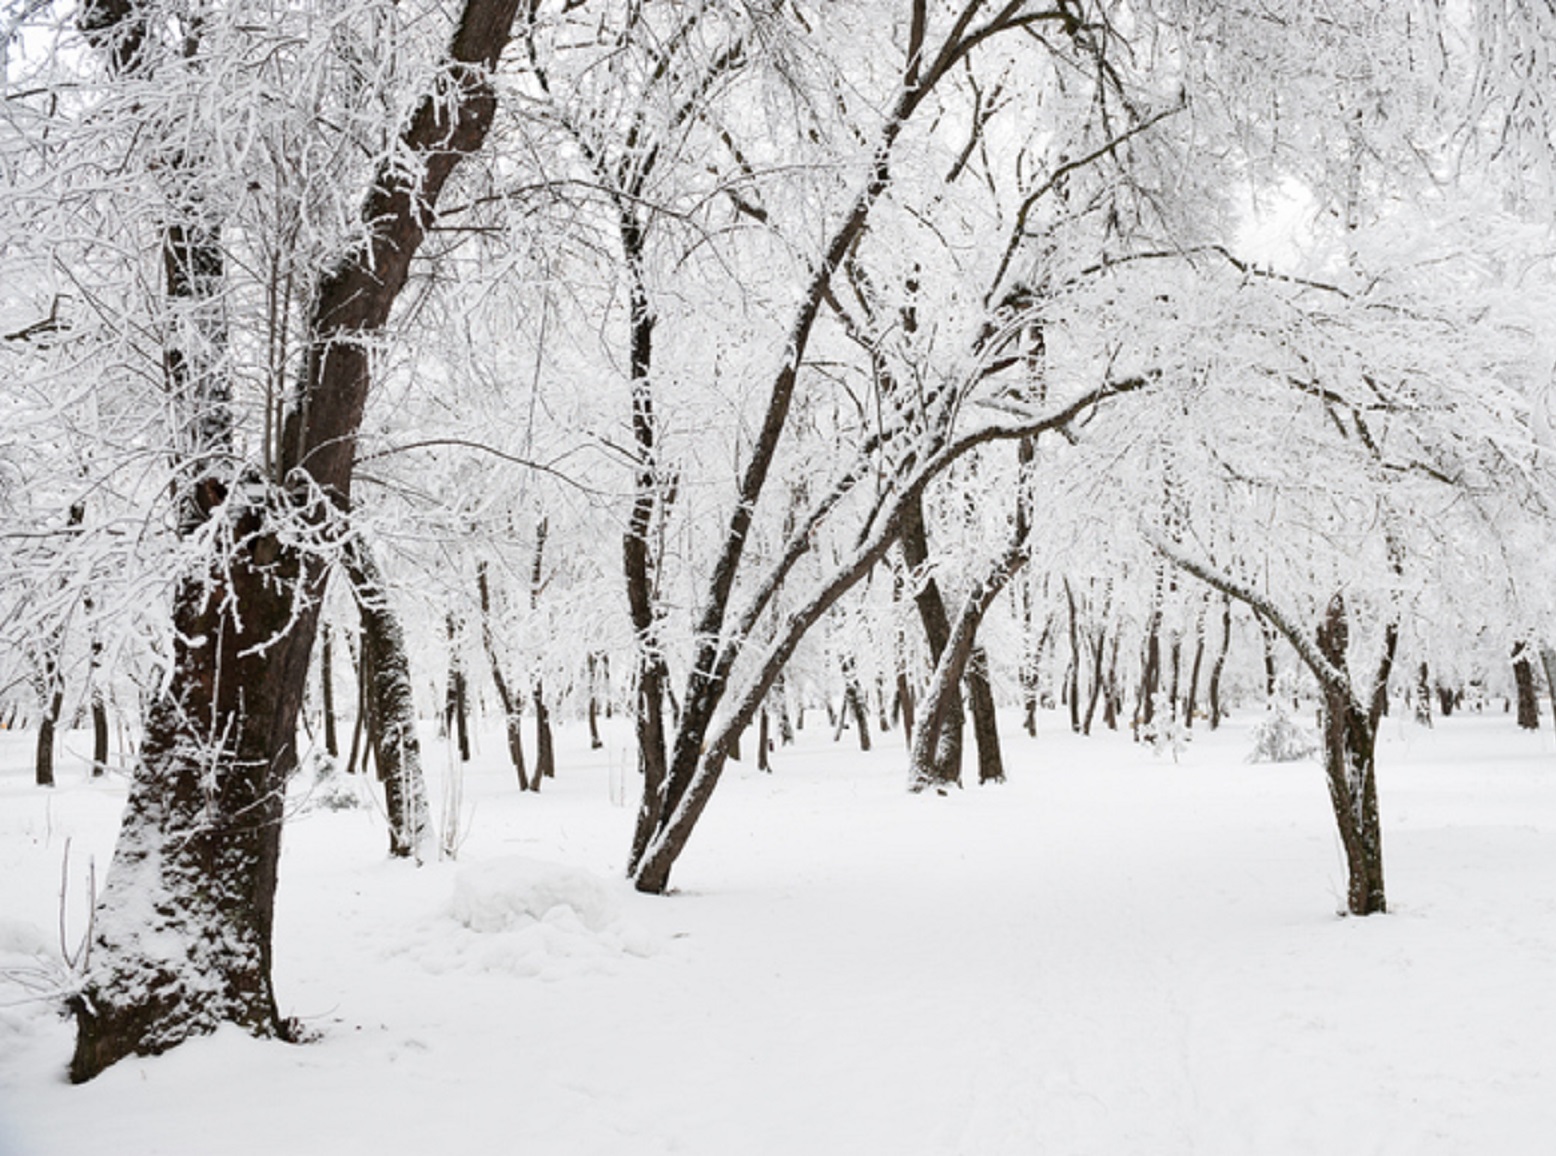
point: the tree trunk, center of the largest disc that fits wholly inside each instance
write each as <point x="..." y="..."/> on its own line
<point x="1150" y="676"/>
<point x="456" y="697"/>
<point x="1423" y="695"/>
<point x="1214" y="690"/>
<point x="51" y="703"/>
<point x="985" y="719"/>
<point x="200" y="838"/>
<point x="1113" y="695"/>
<point x="1528" y="695"/>
<point x="182" y="929"/>
<point x="392" y="707"/>
<point x="1267" y="633"/>
<point x="946" y="748"/>
<point x="1350" y="736"/>
<point x="327" y="690"/>
<point x="545" y="750"/>
<point x="595" y="741"/>
<point x="99" y="734"/>
<point x="853" y="702"/>
<point x="1073" y="674"/>
<point x="925" y="761"/>
<point x="1098" y="652"/>
<point x="1192" y="696"/>
<point x="359" y="724"/>
<point x="512" y="713"/>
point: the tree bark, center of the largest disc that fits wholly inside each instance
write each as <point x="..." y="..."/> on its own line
<point x="1073" y="674"/>
<point x="51" y="696"/>
<point x="392" y="707"/>
<point x="327" y="690"/>
<point x="182" y="930"/>
<point x="945" y="750"/>
<point x="1350" y="724"/>
<point x="925" y="759"/>
<point x="853" y="702"/>
<point x="1350" y="736"/>
<point x="1528" y="695"/>
<point x="511" y="713"/>
<point x="456" y="698"/>
<point x="595" y="741"/>
<point x="1216" y="667"/>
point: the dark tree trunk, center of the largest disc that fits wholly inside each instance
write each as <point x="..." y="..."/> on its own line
<point x="853" y="703"/>
<point x="785" y="723"/>
<point x="763" y="742"/>
<point x="99" y="700"/>
<point x="1150" y="676"/>
<point x="1350" y="736"/>
<point x="1423" y="695"/>
<point x="1214" y="690"/>
<point x="182" y="929"/>
<point x="51" y="683"/>
<point x="924" y="761"/>
<point x="327" y="690"/>
<point x="391" y="707"/>
<point x="1113" y="696"/>
<point x="512" y="712"/>
<point x="638" y="563"/>
<point x="1098" y="653"/>
<point x="985" y="719"/>
<point x="1073" y="673"/>
<point x="946" y="750"/>
<point x="52" y="702"/>
<point x="99" y="734"/>
<point x="359" y="725"/>
<point x="595" y="741"/>
<point x="1267" y="633"/>
<point x="456" y="699"/>
<point x="1192" y="697"/>
<point x="545" y="752"/>
<point x="545" y="749"/>
<point x="1350" y="725"/>
<point x="1528" y="695"/>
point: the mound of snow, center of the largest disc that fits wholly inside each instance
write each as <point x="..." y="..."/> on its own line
<point x="529" y="917"/>
<point x="508" y="894"/>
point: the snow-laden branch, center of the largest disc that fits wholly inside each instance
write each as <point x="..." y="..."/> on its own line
<point x="1332" y="676"/>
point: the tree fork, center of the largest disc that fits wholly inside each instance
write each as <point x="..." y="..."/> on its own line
<point x="200" y="841"/>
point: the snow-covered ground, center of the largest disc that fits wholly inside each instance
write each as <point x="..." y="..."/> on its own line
<point x="1112" y="953"/>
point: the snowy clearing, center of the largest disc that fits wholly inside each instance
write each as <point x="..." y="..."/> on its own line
<point x="1112" y="953"/>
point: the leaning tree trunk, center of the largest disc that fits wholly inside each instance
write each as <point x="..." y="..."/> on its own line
<point x="182" y="930"/>
<point x="925" y="760"/>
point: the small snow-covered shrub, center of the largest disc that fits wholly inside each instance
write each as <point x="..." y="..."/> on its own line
<point x="1166" y="732"/>
<point x="331" y="790"/>
<point x="1279" y="738"/>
